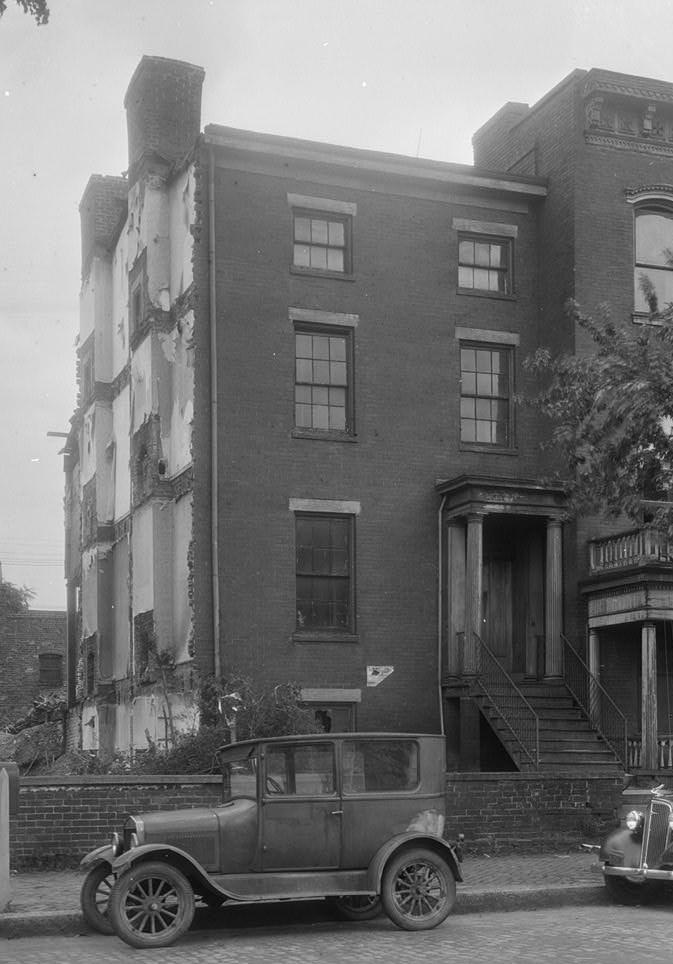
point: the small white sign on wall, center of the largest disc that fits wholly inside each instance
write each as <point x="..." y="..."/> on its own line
<point x="377" y="674"/>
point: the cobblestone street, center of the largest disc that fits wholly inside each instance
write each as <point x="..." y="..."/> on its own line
<point x="600" y="935"/>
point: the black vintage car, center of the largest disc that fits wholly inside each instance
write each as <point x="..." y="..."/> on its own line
<point x="355" y="818"/>
<point x="637" y="858"/>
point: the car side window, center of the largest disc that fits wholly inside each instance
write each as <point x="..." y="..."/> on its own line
<point x="301" y="770"/>
<point x="379" y="766"/>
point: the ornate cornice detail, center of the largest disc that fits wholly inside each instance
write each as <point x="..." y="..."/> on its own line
<point x="629" y="144"/>
<point x="646" y="90"/>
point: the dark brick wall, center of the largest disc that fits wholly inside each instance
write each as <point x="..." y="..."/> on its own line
<point x="22" y="639"/>
<point x="406" y="404"/>
<point x="509" y="809"/>
<point x="60" y="820"/>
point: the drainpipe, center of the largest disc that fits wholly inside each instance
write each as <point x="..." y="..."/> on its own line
<point x="440" y="580"/>
<point x="214" y="482"/>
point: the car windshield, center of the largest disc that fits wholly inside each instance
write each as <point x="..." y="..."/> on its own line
<point x="239" y="772"/>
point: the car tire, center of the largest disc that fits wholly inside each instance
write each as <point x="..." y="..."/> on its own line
<point x="418" y="889"/>
<point x="151" y="905"/>
<point x="624" y="891"/>
<point x="357" y="907"/>
<point x="95" y="896"/>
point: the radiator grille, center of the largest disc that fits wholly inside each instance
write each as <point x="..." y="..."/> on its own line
<point x="657" y="834"/>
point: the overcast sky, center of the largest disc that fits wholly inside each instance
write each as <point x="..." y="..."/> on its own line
<point x="412" y="77"/>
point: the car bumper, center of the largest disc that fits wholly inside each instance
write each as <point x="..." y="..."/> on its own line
<point x="637" y="873"/>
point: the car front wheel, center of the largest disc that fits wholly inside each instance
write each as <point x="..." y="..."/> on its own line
<point x="95" y="896"/>
<point x="625" y="891"/>
<point x="151" y="905"/>
<point x="418" y="889"/>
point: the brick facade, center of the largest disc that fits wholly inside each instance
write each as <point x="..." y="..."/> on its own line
<point x="24" y="639"/>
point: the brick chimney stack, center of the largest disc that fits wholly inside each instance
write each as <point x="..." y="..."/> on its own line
<point x="163" y="113"/>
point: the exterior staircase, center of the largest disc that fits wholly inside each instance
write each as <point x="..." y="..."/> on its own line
<point x="566" y="740"/>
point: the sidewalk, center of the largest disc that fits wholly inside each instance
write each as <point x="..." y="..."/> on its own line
<point x="48" y="902"/>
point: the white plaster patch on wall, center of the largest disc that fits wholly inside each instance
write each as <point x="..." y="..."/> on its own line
<point x="377" y="674"/>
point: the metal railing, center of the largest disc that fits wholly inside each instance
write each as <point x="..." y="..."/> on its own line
<point x="631" y="548"/>
<point x="511" y="706"/>
<point x="595" y="702"/>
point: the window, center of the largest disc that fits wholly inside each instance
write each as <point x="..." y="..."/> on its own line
<point x="485" y="395"/>
<point x="324" y="572"/>
<point x="379" y="766"/>
<point x="51" y="669"/>
<point x="321" y="242"/>
<point x="485" y="264"/>
<point x="322" y="393"/>
<point x="306" y="770"/>
<point x="653" y="281"/>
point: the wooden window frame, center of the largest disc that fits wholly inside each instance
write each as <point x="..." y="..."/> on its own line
<point x="331" y="630"/>
<point x="328" y="331"/>
<point x="336" y="217"/>
<point x="507" y="243"/>
<point x="507" y="351"/>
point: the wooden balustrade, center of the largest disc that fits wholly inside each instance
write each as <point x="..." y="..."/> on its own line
<point x="664" y="752"/>
<point x="629" y="549"/>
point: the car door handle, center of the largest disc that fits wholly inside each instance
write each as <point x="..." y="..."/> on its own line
<point x="336" y="812"/>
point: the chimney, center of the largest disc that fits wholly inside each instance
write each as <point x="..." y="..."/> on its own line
<point x="102" y="211"/>
<point x="491" y="142"/>
<point x="163" y="113"/>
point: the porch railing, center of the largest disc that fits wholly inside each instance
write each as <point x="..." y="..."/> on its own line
<point x="595" y="702"/>
<point x="631" y="548"/>
<point x="511" y="706"/>
<point x="664" y="752"/>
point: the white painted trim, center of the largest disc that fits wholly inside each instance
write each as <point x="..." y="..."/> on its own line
<point x="331" y="695"/>
<point x="486" y="227"/>
<point x="322" y="204"/>
<point x="662" y="194"/>
<point x="325" y="505"/>
<point x="316" y="317"/>
<point x="487" y="336"/>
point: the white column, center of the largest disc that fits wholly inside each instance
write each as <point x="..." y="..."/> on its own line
<point x="553" y="600"/>
<point x="473" y="592"/>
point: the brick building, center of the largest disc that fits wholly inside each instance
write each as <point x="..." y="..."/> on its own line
<point x="32" y="661"/>
<point x="296" y="453"/>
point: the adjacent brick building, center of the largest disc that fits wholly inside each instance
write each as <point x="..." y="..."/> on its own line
<point x="296" y="454"/>
<point x="32" y="661"/>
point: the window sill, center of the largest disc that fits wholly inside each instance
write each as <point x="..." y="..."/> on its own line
<point x="323" y="436"/>
<point x="485" y="449"/>
<point x="325" y="636"/>
<point x="477" y="293"/>
<point x="316" y="273"/>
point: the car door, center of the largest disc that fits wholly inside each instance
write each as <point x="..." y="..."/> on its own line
<point x="301" y="811"/>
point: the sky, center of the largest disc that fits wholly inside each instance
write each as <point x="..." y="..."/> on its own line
<point x="413" y="77"/>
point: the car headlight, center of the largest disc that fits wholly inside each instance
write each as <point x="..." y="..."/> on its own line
<point x="634" y="820"/>
<point x="116" y="844"/>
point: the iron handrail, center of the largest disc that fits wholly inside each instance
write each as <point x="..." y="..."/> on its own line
<point x="595" y="701"/>
<point x="509" y="702"/>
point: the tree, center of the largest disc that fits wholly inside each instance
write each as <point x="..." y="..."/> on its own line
<point x="611" y="416"/>
<point x="13" y="599"/>
<point x="38" y="9"/>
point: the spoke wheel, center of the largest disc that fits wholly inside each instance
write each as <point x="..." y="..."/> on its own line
<point x="151" y="905"/>
<point x="418" y="889"/>
<point x="358" y="907"/>
<point x="95" y="896"/>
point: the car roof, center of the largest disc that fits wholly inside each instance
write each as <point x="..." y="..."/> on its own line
<point x="318" y="737"/>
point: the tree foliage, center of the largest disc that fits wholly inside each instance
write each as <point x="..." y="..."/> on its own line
<point x="611" y="412"/>
<point x="38" y="9"/>
<point x="13" y="599"/>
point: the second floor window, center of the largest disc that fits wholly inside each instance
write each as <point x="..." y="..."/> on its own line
<point x="324" y="572"/>
<point x="485" y="395"/>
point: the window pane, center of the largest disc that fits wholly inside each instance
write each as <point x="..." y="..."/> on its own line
<point x="303" y="345"/>
<point x="483" y="431"/>
<point x="321" y="417"/>
<point x="321" y="372"/>
<point x="318" y="231"/>
<point x="337" y="419"/>
<point x="654" y="239"/>
<point x="319" y="258"/>
<point x="304" y="371"/>
<point x="379" y="766"/>
<point x="337" y="373"/>
<point x="468" y="431"/>
<point x="302" y="229"/>
<point x="465" y="278"/>
<point x="303" y="416"/>
<point x="320" y="395"/>
<point x="335" y="259"/>
<point x="484" y="360"/>
<point x="482" y="254"/>
<point x="468" y="361"/>
<point x="314" y="769"/>
<point x="337" y="349"/>
<point x="302" y="394"/>
<point x="497" y="256"/>
<point x="302" y="255"/>
<point x="483" y="384"/>
<point x="481" y="279"/>
<point x="336" y="236"/>
<point x="467" y="407"/>
<point x="466" y="252"/>
<point x="321" y="346"/>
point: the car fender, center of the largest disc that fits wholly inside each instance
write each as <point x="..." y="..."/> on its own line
<point x="170" y="855"/>
<point x="396" y="843"/>
<point x="97" y="856"/>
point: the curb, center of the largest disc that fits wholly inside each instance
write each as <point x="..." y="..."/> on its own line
<point x="15" y="925"/>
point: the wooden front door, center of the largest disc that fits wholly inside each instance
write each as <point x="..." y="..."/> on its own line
<point x="497" y="609"/>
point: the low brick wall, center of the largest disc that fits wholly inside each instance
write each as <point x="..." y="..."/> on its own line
<point x="60" y="819"/>
<point x="499" y="811"/>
